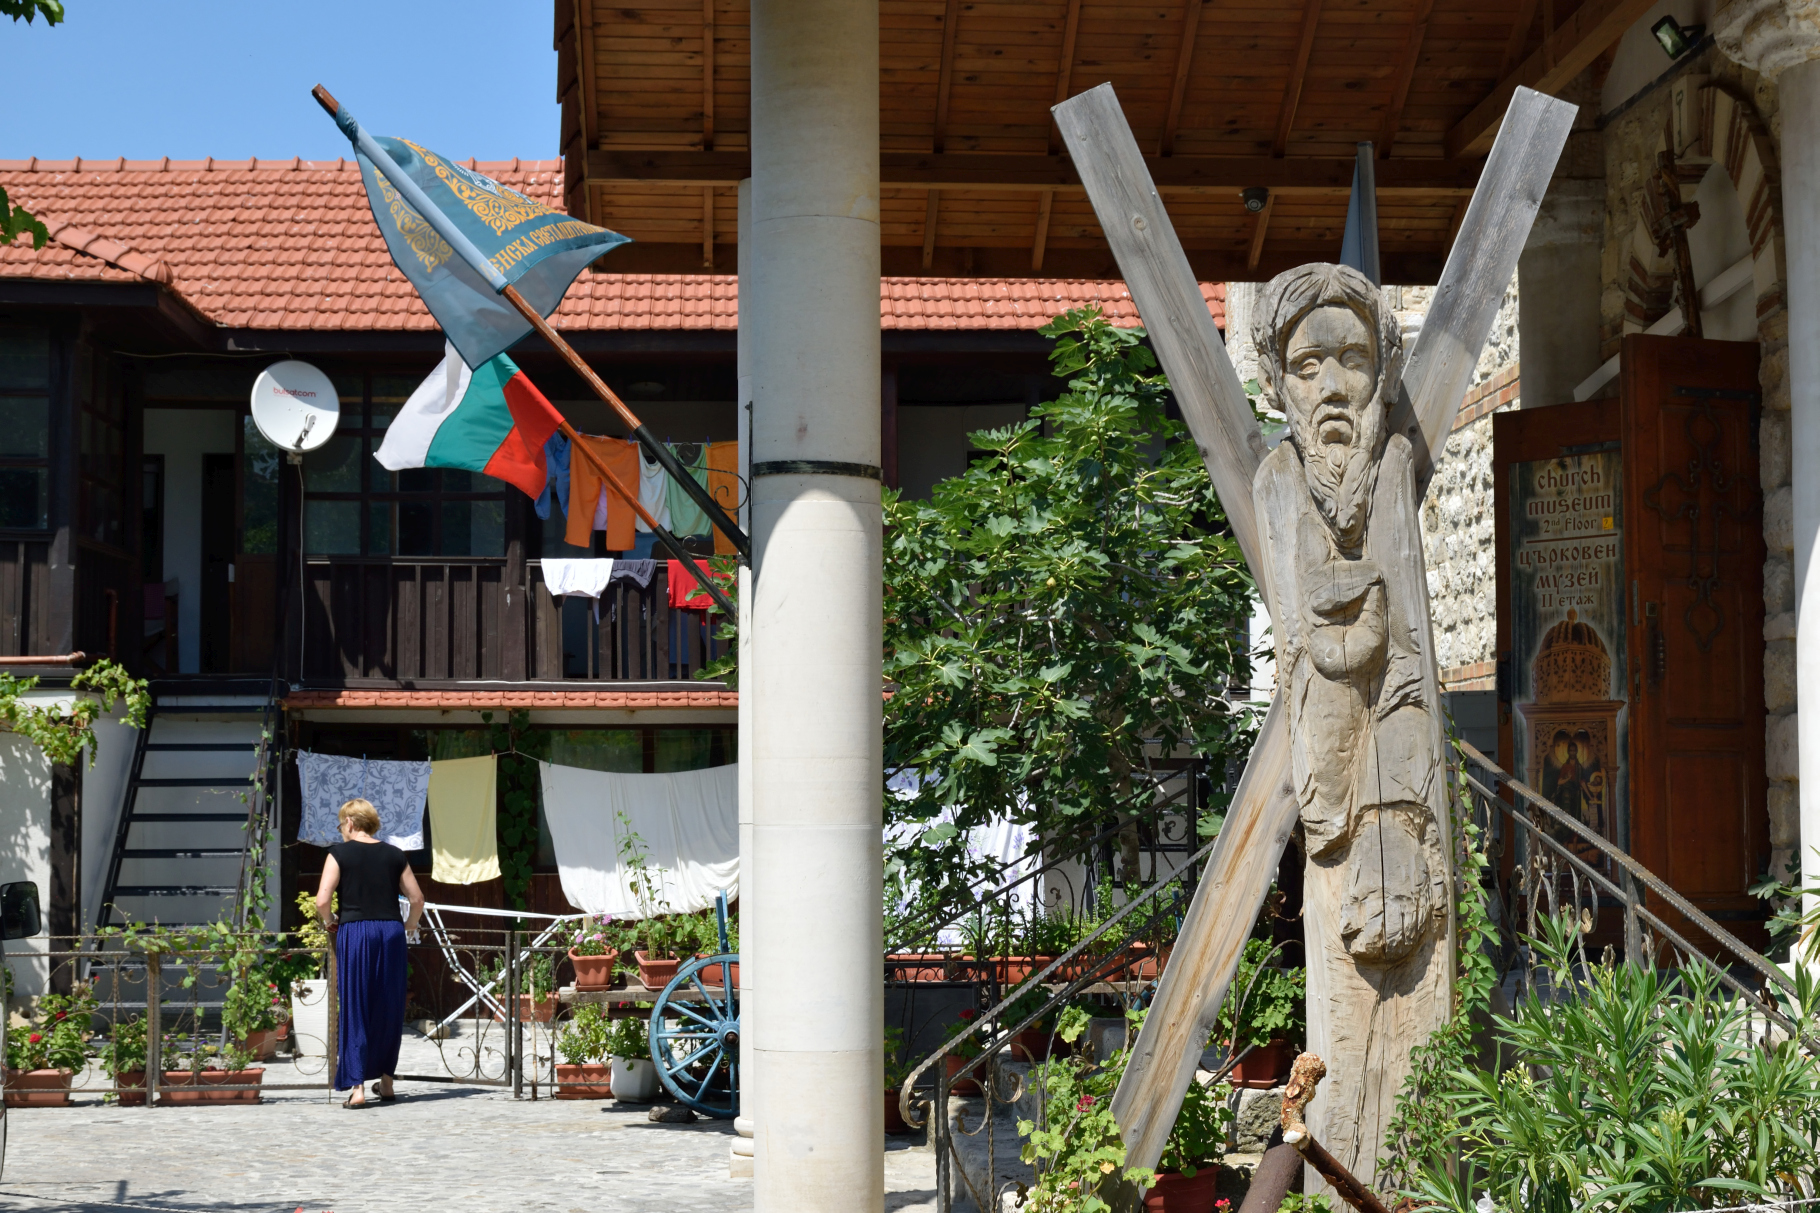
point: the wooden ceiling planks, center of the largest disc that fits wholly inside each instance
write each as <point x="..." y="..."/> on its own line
<point x="1221" y="94"/>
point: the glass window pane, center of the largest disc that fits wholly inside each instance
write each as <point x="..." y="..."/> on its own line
<point x="457" y="481"/>
<point x="261" y="463"/>
<point x="350" y="391"/>
<point x="417" y="480"/>
<point x="443" y="744"/>
<point x="394" y="389"/>
<point x="379" y="528"/>
<point x="25" y="426"/>
<point x="473" y="528"/>
<point x="382" y="416"/>
<point x="25" y="358"/>
<point x="416" y="528"/>
<point x="694" y="749"/>
<point x="380" y="479"/>
<point x="335" y="467"/>
<point x="24" y="498"/>
<point x="331" y="528"/>
<point x="621" y="750"/>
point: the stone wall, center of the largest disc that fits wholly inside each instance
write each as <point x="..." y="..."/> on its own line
<point x="1631" y="140"/>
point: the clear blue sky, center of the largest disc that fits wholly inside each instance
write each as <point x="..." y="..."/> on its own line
<point x="150" y="78"/>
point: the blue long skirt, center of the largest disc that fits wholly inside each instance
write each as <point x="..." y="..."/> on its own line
<point x="370" y="973"/>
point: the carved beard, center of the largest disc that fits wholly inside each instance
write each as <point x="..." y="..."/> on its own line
<point x="1343" y="476"/>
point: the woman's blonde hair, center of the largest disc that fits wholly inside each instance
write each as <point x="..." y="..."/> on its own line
<point x="361" y="815"/>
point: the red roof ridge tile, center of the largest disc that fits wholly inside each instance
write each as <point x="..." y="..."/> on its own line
<point x="107" y="249"/>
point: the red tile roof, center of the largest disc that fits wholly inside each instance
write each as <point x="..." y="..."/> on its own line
<point x="290" y="244"/>
<point x="705" y="697"/>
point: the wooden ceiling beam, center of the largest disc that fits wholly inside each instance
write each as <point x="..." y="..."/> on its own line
<point x="1406" y="73"/>
<point x="707" y="75"/>
<point x="1064" y="72"/>
<point x="1260" y="227"/>
<point x="1184" y="62"/>
<point x="1564" y="54"/>
<point x="1012" y="172"/>
<point x="1298" y="74"/>
<point x="951" y="27"/>
<point x="1519" y="34"/>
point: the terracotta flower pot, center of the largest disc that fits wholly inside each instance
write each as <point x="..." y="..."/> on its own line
<point x="1016" y="969"/>
<point x="1032" y="1044"/>
<point x="263" y="1044"/>
<point x="712" y="975"/>
<point x="129" y="1088"/>
<point x="590" y="1080"/>
<point x="1264" y="1067"/>
<point x="202" y="1086"/>
<point x="894" y="1118"/>
<point x="917" y="966"/>
<point x="960" y="1086"/>
<point x="1177" y="1193"/>
<point x="655" y="974"/>
<point x="593" y="972"/>
<point x="37" y="1088"/>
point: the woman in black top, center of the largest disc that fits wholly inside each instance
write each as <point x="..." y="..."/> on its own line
<point x="369" y="950"/>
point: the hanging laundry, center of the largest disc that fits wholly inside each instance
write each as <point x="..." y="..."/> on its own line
<point x="645" y="547"/>
<point x="687" y="822"/>
<point x="723" y="486"/>
<point x="464" y="838"/>
<point x="651" y="481"/>
<point x="397" y="789"/>
<point x="686" y="516"/>
<point x="686" y="593"/>
<point x="587" y="491"/>
<point x="640" y="571"/>
<point x="562" y="576"/>
<point x="556" y="476"/>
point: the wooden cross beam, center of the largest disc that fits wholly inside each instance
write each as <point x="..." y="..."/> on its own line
<point x="1213" y="403"/>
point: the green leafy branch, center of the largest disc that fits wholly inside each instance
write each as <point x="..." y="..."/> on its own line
<point x="62" y="731"/>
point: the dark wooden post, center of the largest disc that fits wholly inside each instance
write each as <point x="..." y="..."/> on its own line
<point x="887" y="424"/>
<point x="65" y="917"/>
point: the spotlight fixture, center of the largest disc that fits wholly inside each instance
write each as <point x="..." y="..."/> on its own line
<point x="1255" y="198"/>
<point x="1676" y="39"/>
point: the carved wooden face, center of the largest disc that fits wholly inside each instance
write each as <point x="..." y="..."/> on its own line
<point x="1330" y="375"/>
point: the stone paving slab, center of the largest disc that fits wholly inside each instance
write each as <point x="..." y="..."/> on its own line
<point x="441" y="1147"/>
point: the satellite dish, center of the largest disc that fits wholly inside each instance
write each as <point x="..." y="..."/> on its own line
<point x="295" y="406"/>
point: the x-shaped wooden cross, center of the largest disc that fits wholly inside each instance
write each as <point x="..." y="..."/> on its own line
<point x="1219" y="417"/>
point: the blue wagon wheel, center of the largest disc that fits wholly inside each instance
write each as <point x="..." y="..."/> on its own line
<point x="695" y="1041"/>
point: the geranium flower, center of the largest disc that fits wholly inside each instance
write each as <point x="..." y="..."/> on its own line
<point x="35" y="1037"/>
<point x="969" y="1014"/>
<point x="1085" y="1103"/>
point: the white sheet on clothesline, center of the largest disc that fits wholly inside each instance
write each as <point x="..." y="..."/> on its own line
<point x="1000" y="842"/>
<point x="688" y="821"/>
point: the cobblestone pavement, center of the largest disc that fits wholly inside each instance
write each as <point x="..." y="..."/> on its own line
<point x="441" y="1147"/>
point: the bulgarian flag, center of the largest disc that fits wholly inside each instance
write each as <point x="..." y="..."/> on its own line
<point x="491" y="419"/>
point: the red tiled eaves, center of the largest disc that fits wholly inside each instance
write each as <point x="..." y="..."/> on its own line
<point x="291" y="245"/>
<point x="706" y="697"/>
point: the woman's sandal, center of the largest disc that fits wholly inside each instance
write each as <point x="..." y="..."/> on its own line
<point x="382" y="1097"/>
<point x="350" y="1104"/>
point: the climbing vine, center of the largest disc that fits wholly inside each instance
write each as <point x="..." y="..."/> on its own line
<point x="517" y="813"/>
<point x="63" y="731"/>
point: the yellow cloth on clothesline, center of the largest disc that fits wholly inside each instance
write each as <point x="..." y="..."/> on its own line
<point x="464" y="839"/>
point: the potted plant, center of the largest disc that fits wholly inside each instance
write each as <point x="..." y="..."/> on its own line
<point x="309" y="987"/>
<point x="1031" y="1044"/>
<point x="897" y="1068"/>
<point x="534" y="984"/>
<point x="1190" y="1165"/>
<point x="593" y="949"/>
<point x="707" y="943"/>
<point x="122" y="1059"/>
<point x="253" y="1010"/>
<point x="208" y="1075"/>
<point x="664" y="936"/>
<point x="1264" y="1017"/>
<point x="628" y="1043"/>
<point x="42" y="1056"/>
<point x="584" y="1072"/>
<point x="963" y="1052"/>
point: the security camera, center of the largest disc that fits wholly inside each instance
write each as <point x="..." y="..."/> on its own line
<point x="1255" y="197"/>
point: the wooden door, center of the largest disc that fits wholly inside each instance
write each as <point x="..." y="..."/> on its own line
<point x="1694" y="558"/>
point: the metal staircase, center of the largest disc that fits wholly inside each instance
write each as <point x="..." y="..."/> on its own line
<point x="192" y="805"/>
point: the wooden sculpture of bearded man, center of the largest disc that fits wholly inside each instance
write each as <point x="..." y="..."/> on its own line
<point x="1348" y="603"/>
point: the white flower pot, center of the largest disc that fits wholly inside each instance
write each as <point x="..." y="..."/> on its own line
<point x="634" y="1079"/>
<point x="310" y="1017"/>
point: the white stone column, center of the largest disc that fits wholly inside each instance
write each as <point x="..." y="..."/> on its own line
<point x="810" y="309"/>
<point x="1558" y="286"/>
<point x="739" y="1163"/>
<point x="1781" y="40"/>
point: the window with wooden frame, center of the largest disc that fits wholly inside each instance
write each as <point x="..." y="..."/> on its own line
<point x="101" y="477"/>
<point x="25" y="428"/>
<point x="354" y="507"/>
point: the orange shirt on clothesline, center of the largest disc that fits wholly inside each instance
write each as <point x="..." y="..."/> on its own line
<point x="585" y="487"/>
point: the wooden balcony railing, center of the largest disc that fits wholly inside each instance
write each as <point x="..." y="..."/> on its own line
<point x="373" y="619"/>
